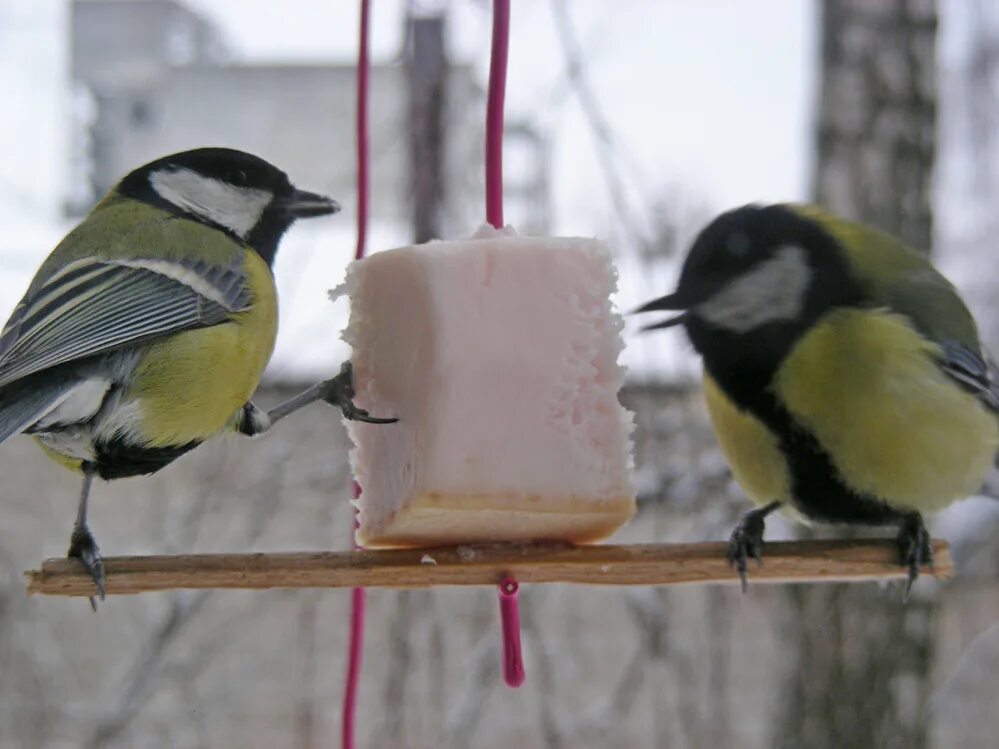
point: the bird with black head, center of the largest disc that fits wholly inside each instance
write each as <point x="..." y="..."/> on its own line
<point x="146" y="330"/>
<point x="844" y="376"/>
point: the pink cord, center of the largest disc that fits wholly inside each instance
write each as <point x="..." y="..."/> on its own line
<point x="494" y="113"/>
<point x="513" y="661"/>
<point x="362" y="135"/>
<point x="353" y="667"/>
<point x="353" y="677"/>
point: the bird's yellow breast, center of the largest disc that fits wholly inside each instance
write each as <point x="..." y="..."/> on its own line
<point x="751" y="450"/>
<point x="868" y="386"/>
<point x="189" y="386"/>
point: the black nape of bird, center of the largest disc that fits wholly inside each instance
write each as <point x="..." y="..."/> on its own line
<point x="147" y="329"/>
<point x="844" y="376"/>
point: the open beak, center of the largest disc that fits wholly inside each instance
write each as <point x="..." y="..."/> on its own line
<point x="302" y="204"/>
<point x="671" y="302"/>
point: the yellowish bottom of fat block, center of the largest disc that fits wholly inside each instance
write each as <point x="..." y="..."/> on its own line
<point x="436" y="520"/>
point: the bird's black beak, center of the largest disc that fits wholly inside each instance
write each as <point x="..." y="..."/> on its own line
<point x="302" y="204"/>
<point x="678" y="300"/>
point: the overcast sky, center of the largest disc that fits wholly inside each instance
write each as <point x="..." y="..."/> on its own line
<point x="708" y="101"/>
<point x="712" y="95"/>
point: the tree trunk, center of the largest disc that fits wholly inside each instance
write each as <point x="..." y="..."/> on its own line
<point x="860" y="658"/>
<point x="876" y="129"/>
<point x="426" y="66"/>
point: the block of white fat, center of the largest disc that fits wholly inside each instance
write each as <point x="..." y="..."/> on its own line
<point x="499" y="357"/>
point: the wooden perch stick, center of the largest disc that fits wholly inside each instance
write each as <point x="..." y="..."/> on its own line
<point x="641" y="564"/>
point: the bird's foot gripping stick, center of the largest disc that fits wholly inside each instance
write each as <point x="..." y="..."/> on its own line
<point x="915" y="547"/>
<point x="747" y="540"/>
<point x="82" y="545"/>
<point x="914" y="543"/>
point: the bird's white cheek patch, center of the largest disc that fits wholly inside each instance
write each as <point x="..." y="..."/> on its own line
<point x="235" y="208"/>
<point x="774" y="291"/>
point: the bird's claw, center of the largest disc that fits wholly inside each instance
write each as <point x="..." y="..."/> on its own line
<point x="915" y="548"/>
<point x="353" y="413"/>
<point x="83" y="547"/>
<point x="746" y="541"/>
<point x="339" y="391"/>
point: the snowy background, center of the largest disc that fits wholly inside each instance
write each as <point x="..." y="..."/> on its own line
<point x="679" y="110"/>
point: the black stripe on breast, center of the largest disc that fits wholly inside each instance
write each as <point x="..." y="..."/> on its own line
<point x="118" y="459"/>
<point x="817" y="489"/>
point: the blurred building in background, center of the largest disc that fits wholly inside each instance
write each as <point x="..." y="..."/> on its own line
<point x="163" y="80"/>
<point x="121" y="44"/>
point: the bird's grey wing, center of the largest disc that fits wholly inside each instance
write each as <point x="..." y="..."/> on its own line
<point x="972" y="371"/>
<point x="93" y="306"/>
<point x="23" y="402"/>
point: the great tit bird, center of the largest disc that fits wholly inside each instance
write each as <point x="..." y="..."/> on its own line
<point x="844" y="376"/>
<point x="147" y="329"/>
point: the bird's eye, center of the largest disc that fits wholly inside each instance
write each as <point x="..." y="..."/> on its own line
<point x="737" y="244"/>
<point x="238" y="178"/>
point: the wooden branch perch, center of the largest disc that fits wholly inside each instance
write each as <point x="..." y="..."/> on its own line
<point x="641" y="564"/>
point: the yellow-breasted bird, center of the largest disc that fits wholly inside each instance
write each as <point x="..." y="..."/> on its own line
<point x="147" y="329"/>
<point x="844" y="376"/>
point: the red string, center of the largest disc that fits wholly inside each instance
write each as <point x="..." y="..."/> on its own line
<point x="513" y="661"/>
<point x="362" y="135"/>
<point x="494" y="113"/>
<point x="353" y="667"/>
<point x="353" y="675"/>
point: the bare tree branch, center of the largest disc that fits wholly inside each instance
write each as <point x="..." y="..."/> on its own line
<point x="392" y="728"/>
<point x="140" y="683"/>
<point x="600" y="127"/>
<point x="543" y="665"/>
<point x="481" y="679"/>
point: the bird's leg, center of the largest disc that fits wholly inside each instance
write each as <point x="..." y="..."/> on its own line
<point x="747" y="540"/>
<point x="914" y="546"/>
<point x="337" y="391"/>
<point x="81" y="542"/>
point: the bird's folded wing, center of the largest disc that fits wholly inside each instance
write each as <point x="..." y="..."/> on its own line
<point x="972" y="372"/>
<point x="92" y="306"/>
